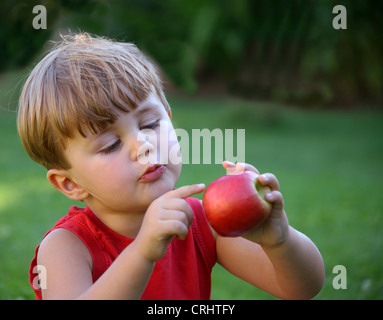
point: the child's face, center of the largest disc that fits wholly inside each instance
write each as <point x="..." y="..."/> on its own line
<point x="111" y="166"/>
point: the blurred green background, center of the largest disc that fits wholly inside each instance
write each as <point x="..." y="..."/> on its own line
<point x="309" y="97"/>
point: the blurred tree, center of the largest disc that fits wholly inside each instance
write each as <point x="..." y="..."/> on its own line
<point x="18" y="39"/>
<point x="269" y="49"/>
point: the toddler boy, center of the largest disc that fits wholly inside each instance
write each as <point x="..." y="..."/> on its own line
<point x="80" y="114"/>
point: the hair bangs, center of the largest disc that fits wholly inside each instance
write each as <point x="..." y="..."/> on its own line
<point x="94" y="92"/>
<point x="81" y="86"/>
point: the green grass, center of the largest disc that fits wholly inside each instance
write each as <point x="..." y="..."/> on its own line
<point x="329" y="164"/>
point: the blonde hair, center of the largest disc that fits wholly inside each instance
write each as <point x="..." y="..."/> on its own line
<point x="81" y="85"/>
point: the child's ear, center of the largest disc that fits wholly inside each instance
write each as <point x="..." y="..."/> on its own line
<point x="62" y="182"/>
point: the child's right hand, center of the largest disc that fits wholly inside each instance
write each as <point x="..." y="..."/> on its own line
<point x="167" y="216"/>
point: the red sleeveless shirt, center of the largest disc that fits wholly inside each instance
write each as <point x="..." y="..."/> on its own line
<point x="183" y="273"/>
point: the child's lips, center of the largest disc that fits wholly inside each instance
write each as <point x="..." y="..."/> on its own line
<point x="153" y="173"/>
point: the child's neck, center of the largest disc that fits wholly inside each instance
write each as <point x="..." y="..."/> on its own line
<point x="123" y="223"/>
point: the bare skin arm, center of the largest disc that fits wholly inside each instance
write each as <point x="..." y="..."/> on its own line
<point x="274" y="257"/>
<point x="69" y="263"/>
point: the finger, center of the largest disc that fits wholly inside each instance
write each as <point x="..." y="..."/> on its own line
<point x="229" y="166"/>
<point x="182" y="212"/>
<point x="184" y="208"/>
<point x="182" y="232"/>
<point x="276" y="199"/>
<point x="268" y="179"/>
<point x="177" y="205"/>
<point x="175" y="228"/>
<point x="175" y="215"/>
<point x="238" y="168"/>
<point x="185" y="191"/>
<point x="246" y="167"/>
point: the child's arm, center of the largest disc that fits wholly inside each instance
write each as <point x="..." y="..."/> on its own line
<point x="274" y="257"/>
<point x="69" y="264"/>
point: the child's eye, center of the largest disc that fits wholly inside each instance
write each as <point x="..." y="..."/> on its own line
<point x="112" y="147"/>
<point x="151" y="125"/>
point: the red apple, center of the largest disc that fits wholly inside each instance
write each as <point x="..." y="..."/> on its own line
<point x="235" y="204"/>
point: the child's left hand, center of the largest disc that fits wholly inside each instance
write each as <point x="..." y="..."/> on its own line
<point x="275" y="229"/>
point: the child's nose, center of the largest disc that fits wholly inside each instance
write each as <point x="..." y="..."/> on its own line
<point x="145" y="153"/>
<point x="144" y="149"/>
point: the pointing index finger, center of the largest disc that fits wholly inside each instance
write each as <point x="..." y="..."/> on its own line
<point x="186" y="191"/>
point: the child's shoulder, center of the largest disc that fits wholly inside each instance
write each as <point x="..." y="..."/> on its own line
<point x="60" y="254"/>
